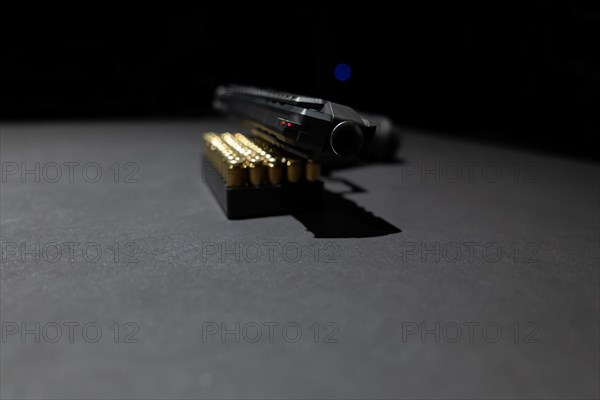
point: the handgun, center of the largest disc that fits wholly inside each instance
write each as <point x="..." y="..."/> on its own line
<point x="308" y="127"/>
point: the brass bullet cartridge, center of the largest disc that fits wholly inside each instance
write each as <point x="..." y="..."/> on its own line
<point x="235" y="175"/>
<point x="273" y="162"/>
<point x="257" y="173"/>
<point x="313" y="171"/>
<point x="294" y="170"/>
<point x="226" y="160"/>
<point x="252" y="155"/>
<point x="275" y="171"/>
<point x="291" y="166"/>
<point x="257" y="150"/>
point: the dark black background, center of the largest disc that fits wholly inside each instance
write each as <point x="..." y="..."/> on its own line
<point x="518" y="73"/>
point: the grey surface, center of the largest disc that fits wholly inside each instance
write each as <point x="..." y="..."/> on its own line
<point x="368" y="291"/>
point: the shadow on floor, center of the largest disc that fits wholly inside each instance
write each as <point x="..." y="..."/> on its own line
<point x="343" y="218"/>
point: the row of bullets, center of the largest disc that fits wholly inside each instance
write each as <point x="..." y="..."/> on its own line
<point x="242" y="160"/>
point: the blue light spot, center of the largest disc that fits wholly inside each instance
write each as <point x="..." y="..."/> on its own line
<point x="342" y="72"/>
